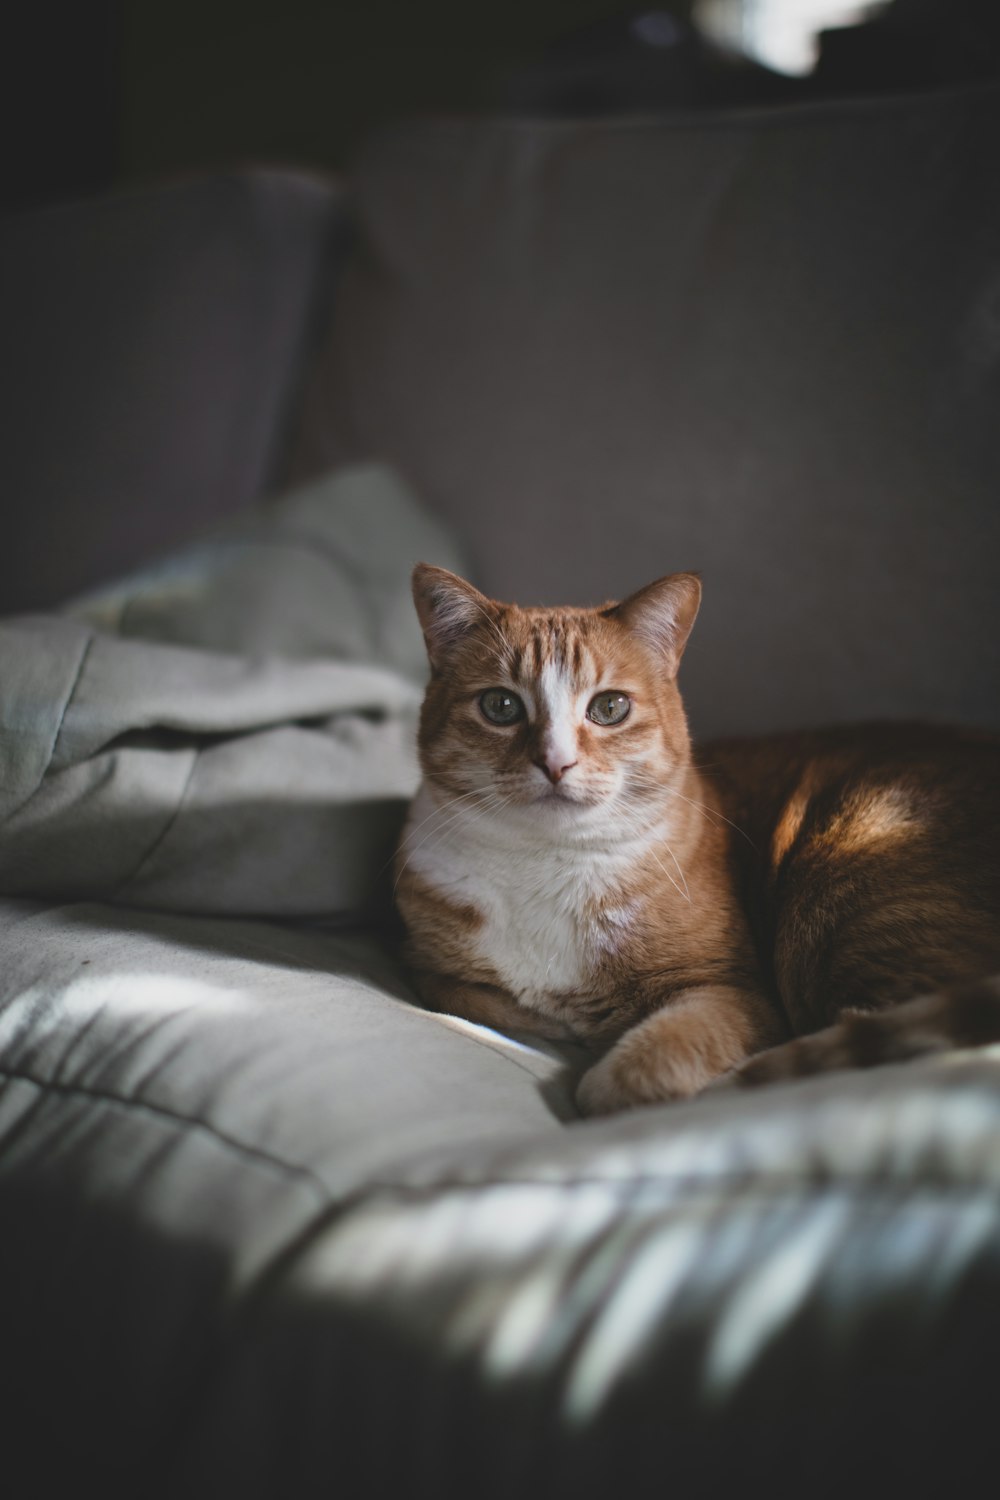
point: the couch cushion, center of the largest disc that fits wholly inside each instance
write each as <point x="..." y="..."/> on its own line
<point x="258" y="1210"/>
<point x="762" y="344"/>
<point x="786" y="1294"/>
<point x="151" y="346"/>
<point x="181" y="1100"/>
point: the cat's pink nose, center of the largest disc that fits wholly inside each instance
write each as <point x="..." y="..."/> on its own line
<point x="553" y="770"/>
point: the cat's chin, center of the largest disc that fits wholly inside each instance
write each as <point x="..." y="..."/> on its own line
<point x="556" y="799"/>
<point x="557" y="810"/>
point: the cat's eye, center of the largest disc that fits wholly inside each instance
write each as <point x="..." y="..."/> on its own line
<point x="500" y="706"/>
<point x="609" y="708"/>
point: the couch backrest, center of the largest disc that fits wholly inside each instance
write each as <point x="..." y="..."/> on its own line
<point x="761" y="344"/>
<point x="150" y="351"/>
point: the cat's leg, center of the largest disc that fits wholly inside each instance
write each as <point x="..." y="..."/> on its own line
<point x="679" y="1050"/>
<point x="487" y="1005"/>
<point x="962" y="1015"/>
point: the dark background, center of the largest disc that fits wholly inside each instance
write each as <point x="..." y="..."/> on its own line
<point x="100" y="93"/>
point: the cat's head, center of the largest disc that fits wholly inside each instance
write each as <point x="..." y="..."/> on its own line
<point x="561" y="713"/>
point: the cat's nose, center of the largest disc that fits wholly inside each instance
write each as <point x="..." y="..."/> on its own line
<point x="551" y="768"/>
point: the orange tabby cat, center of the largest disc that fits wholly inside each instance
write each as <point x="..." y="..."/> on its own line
<point x="572" y="866"/>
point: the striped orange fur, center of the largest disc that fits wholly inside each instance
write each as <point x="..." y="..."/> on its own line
<point x="572" y="866"/>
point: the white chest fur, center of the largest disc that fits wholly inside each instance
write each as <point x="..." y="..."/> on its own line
<point x="550" y="910"/>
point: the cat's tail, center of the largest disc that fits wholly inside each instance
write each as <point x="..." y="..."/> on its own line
<point x="961" y="1015"/>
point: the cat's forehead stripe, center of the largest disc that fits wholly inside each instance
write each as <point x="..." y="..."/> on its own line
<point x="535" y="639"/>
<point x="577" y="663"/>
<point x="551" y="643"/>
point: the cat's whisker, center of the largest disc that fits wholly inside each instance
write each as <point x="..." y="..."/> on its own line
<point x="673" y="856"/>
<point x="681" y="891"/>
<point x="492" y="803"/>
<point x="640" y="827"/>
<point x="485" y="794"/>
<point x="463" y="797"/>
<point x="435" y="813"/>
<point x="708" y="812"/>
<point x="712" y="812"/>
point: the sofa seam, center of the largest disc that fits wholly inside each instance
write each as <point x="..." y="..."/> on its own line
<point x="255" y="1154"/>
<point x="71" y="694"/>
<point x="161" y="837"/>
<point x="84" y="657"/>
<point x="381" y="1188"/>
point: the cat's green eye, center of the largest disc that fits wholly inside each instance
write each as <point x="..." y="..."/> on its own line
<point x="500" y="706"/>
<point x="609" y="708"/>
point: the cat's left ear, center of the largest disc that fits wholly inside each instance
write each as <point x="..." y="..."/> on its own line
<point x="662" y="615"/>
<point x="448" y="609"/>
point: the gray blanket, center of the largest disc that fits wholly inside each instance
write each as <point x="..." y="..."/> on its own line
<point x="232" y="732"/>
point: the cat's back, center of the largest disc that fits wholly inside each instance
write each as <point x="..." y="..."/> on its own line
<point x="928" y="768"/>
<point x="869" y="859"/>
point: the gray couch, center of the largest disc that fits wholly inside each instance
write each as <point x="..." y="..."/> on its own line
<point x="268" y="1228"/>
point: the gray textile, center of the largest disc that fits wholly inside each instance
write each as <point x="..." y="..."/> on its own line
<point x="184" y="1101"/>
<point x="760" y="344"/>
<point x="142" y="764"/>
<point x="284" y="1226"/>
<point x="789" y="1292"/>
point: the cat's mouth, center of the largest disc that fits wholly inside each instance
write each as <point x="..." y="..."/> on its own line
<point x="560" y="796"/>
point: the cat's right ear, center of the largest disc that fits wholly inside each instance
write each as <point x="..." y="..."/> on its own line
<point x="448" y="608"/>
<point x="662" y="615"/>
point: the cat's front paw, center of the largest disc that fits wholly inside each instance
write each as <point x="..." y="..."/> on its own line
<point x="623" y="1080"/>
<point x="677" y="1051"/>
<point x="600" y="1092"/>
